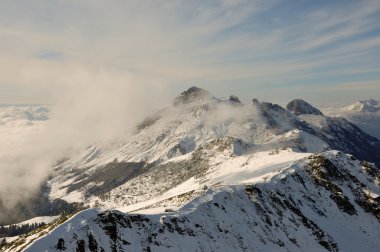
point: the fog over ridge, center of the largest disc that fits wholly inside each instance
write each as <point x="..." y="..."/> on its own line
<point x="90" y="107"/>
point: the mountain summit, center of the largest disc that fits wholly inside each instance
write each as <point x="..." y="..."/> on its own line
<point x="300" y="107"/>
<point x="366" y="106"/>
<point x="192" y="94"/>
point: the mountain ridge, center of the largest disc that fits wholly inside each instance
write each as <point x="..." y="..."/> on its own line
<point x="187" y="162"/>
<point x="280" y="214"/>
<point x="365" y="106"/>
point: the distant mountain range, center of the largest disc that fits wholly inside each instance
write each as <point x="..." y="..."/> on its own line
<point x="366" y="106"/>
<point x="364" y="114"/>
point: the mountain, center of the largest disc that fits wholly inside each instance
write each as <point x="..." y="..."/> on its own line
<point x="197" y="118"/>
<point x="300" y="107"/>
<point x="366" y="106"/>
<point x="324" y="202"/>
<point x="210" y="174"/>
<point x="364" y="114"/>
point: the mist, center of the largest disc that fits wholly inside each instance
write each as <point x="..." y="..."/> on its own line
<point x="235" y="116"/>
<point x="89" y="107"/>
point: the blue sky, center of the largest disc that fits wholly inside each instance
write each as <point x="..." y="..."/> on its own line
<point x="323" y="51"/>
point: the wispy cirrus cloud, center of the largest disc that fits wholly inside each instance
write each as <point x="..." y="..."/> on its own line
<point x="221" y="45"/>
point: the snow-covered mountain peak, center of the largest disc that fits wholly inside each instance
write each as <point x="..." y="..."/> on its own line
<point x="365" y="106"/>
<point x="301" y="107"/>
<point x="191" y="95"/>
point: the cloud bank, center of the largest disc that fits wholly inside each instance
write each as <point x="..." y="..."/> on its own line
<point x="90" y="107"/>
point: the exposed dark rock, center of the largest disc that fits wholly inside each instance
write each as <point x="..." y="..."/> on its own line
<point x="110" y="176"/>
<point x="299" y="107"/>
<point x="255" y="101"/>
<point x="234" y="99"/>
<point x="192" y="94"/>
<point x="92" y="243"/>
<point x="325" y="173"/>
<point x="60" y="244"/>
<point x="149" y="121"/>
<point x="81" y="246"/>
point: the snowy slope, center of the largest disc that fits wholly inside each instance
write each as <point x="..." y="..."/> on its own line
<point x="195" y="120"/>
<point x="166" y="181"/>
<point x="366" y="106"/>
<point x="365" y="114"/>
<point x="38" y="220"/>
<point x="324" y="202"/>
<point x="362" y="114"/>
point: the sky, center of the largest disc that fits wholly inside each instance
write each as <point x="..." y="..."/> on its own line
<point x="324" y="51"/>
